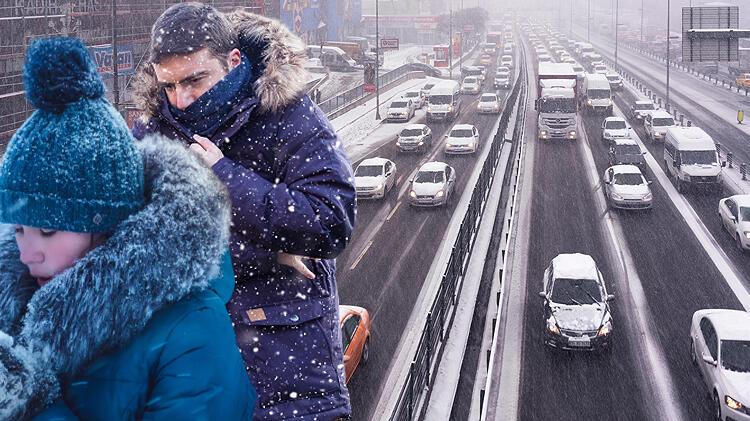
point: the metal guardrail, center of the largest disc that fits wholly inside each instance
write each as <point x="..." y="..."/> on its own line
<point x="420" y="376"/>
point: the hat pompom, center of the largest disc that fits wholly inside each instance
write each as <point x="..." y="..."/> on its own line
<point x="59" y="71"/>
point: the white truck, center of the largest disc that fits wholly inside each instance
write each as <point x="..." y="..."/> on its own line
<point x="596" y="95"/>
<point x="557" y="101"/>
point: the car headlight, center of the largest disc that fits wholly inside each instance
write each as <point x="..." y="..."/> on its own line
<point x="479" y="106"/>
<point x="734" y="404"/>
<point x="413" y="194"/>
<point x="450" y="108"/>
<point x="605" y="328"/>
<point x="439" y="194"/>
<point x="380" y="186"/>
<point x="648" y="196"/>
<point x="747" y="235"/>
<point x="552" y="326"/>
<point x="616" y="196"/>
<point x="572" y="133"/>
<point x="421" y="142"/>
<point x="589" y="102"/>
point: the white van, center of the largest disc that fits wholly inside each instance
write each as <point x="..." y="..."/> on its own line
<point x="690" y="157"/>
<point x="445" y="101"/>
<point x="332" y="57"/>
<point x="597" y="95"/>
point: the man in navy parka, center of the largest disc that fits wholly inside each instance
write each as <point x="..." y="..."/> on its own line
<point x="243" y="93"/>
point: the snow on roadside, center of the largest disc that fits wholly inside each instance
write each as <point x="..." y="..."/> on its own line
<point x="361" y="133"/>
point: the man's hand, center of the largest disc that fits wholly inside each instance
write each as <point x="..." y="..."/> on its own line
<point x="295" y="262"/>
<point x="206" y="150"/>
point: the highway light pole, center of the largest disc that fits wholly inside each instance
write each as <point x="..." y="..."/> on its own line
<point x="588" y="24"/>
<point x="617" y="28"/>
<point x="666" y="100"/>
<point x="450" y="43"/>
<point x="377" y="62"/>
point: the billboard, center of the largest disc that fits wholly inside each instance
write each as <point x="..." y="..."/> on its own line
<point x="102" y="55"/>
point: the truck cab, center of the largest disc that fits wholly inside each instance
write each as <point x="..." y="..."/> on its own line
<point x="557" y="101"/>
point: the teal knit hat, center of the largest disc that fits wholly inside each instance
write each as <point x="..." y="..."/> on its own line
<point x="73" y="165"/>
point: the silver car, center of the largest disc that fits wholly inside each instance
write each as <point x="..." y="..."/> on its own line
<point x="433" y="185"/>
<point x="626" y="188"/>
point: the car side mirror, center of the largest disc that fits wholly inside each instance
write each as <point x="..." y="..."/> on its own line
<point x="536" y="105"/>
<point x="675" y="164"/>
<point x="723" y="163"/>
<point x="649" y="182"/>
<point x="709" y="360"/>
<point x="733" y="219"/>
<point x="542" y="294"/>
<point x="610" y="297"/>
<point x="644" y="153"/>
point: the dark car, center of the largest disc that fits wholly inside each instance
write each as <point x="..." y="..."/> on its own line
<point x="428" y="70"/>
<point x="626" y="151"/>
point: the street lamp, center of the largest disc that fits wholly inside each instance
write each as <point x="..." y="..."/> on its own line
<point x="617" y="28"/>
<point x="666" y="99"/>
<point x="588" y="24"/>
<point x="377" y="62"/>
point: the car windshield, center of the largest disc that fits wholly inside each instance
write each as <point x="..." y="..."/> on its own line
<point x="627" y="179"/>
<point x="462" y="133"/>
<point x="428" y="86"/>
<point x="661" y="122"/>
<point x="474" y="72"/>
<point x="429" y="177"/>
<point x="488" y="98"/>
<point x="613" y="77"/>
<point x="578" y="69"/>
<point x="698" y="157"/>
<point x="576" y="291"/>
<point x="598" y="93"/>
<point x="735" y="355"/>
<point x="398" y="104"/>
<point x="441" y="99"/>
<point x="412" y="95"/>
<point x="615" y="125"/>
<point x="470" y="80"/>
<point x="557" y="105"/>
<point x="369" y="171"/>
<point x="745" y="213"/>
<point x="411" y="132"/>
<point x="628" y="149"/>
<point x="600" y="68"/>
<point x="644" y="106"/>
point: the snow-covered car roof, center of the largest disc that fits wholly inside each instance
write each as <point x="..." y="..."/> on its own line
<point x="644" y="101"/>
<point x="661" y="114"/>
<point x="730" y="324"/>
<point x="374" y="161"/>
<point x="608" y="119"/>
<point x="574" y="266"/>
<point x="462" y="126"/>
<point x="416" y="92"/>
<point x="433" y="166"/>
<point x="741" y="199"/>
<point x="625" y="169"/>
<point x="625" y="141"/>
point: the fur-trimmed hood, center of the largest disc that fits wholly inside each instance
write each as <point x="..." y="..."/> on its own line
<point x="157" y="256"/>
<point x="277" y="55"/>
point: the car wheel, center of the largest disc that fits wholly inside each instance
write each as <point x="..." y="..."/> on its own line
<point x="717" y="407"/>
<point x="365" y="352"/>
<point x="721" y="224"/>
<point x="680" y="187"/>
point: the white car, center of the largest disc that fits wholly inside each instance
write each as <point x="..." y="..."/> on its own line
<point x="735" y="219"/>
<point x="471" y="85"/>
<point x="417" y="98"/>
<point x="502" y="78"/>
<point x="400" y="110"/>
<point x="576" y="309"/>
<point x="614" y="128"/>
<point x="489" y="103"/>
<point x="433" y="185"/>
<point x="506" y="60"/>
<point x="426" y="90"/>
<point x="544" y="58"/>
<point x="720" y="349"/>
<point x="642" y="108"/>
<point x="657" y="123"/>
<point x="508" y="49"/>
<point x="461" y="139"/>
<point x="415" y="137"/>
<point x="626" y="188"/>
<point x="374" y="178"/>
<point x="601" y="69"/>
<point x="615" y="81"/>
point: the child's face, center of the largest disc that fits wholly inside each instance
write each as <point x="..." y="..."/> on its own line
<point x="47" y="252"/>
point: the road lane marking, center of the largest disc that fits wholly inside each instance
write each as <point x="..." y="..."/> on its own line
<point x="361" y="255"/>
<point x="393" y="211"/>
